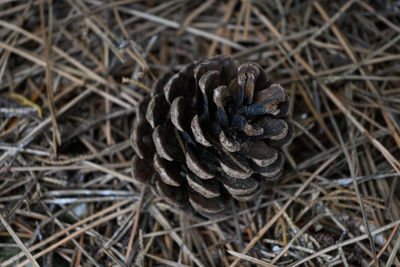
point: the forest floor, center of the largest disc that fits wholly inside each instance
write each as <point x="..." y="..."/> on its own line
<point x="72" y="71"/>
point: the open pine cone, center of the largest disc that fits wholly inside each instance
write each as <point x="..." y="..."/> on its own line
<point x="210" y="132"/>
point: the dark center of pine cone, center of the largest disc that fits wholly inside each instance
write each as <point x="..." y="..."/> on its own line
<point x="210" y="132"/>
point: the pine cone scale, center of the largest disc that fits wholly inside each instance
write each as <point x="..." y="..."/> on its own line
<point x="141" y="139"/>
<point x="235" y="169"/>
<point x="142" y="170"/>
<point x="198" y="132"/>
<point x="178" y="116"/>
<point x="209" y="189"/>
<point x="168" y="171"/>
<point x="206" y="205"/>
<point x="228" y="143"/>
<point x="198" y="167"/>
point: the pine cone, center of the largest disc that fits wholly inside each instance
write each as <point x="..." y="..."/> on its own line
<point x="210" y="132"/>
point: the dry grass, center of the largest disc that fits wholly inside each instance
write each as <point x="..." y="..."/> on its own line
<point x="71" y="72"/>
